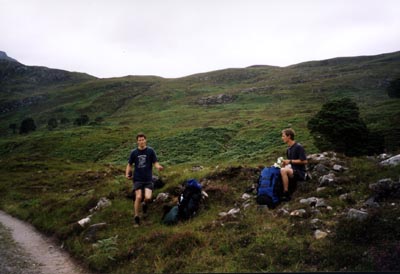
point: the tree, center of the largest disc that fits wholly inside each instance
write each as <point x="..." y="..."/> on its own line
<point x="52" y="123"/>
<point x="82" y="120"/>
<point x="64" y="120"/>
<point x="27" y="125"/>
<point x="13" y="127"/>
<point x="338" y="126"/>
<point x="394" y="88"/>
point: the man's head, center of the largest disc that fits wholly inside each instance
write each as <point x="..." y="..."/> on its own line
<point x="287" y="135"/>
<point x="141" y="140"/>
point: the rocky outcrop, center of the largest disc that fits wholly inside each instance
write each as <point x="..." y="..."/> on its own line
<point x="216" y="100"/>
<point x="17" y="104"/>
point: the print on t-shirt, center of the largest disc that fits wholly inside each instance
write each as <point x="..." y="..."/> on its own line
<point x="142" y="161"/>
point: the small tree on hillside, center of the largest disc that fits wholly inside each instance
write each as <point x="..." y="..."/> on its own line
<point x="82" y="120"/>
<point x="394" y="88"/>
<point x="27" y="126"/>
<point x="338" y="126"/>
<point x="52" y="123"/>
<point x="64" y="120"/>
<point x="13" y="127"/>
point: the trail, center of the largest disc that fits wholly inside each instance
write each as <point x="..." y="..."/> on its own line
<point x="28" y="251"/>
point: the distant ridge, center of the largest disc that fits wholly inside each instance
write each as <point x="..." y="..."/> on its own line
<point x="4" y="56"/>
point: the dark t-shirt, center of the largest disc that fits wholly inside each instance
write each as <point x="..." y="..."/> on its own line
<point x="297" y="152"/>
<point x="143" y="160"/>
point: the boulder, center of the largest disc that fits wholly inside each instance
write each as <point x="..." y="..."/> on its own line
<point x="392" y="161"/>
<point x="319" y="234"/>
<point x="357" y="214"/>
<point x="92" y="231"/>
<point x="298" y="213"/>
<point x="216" y="100"/>
<point x="102" y="203"/>
<point x="327" y="180"/>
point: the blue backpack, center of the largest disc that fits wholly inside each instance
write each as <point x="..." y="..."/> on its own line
<point x="270" y="187"/>
<point x="189" y="200"/>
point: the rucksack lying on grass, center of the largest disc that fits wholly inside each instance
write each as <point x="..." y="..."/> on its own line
<point x="188" y="203"/>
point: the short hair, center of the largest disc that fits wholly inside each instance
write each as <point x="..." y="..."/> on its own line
<point x="140" y="134"/>
<point x="289" y="132"/>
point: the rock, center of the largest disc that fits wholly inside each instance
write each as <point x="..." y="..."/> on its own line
<point x="162" y="197"/>
<point x="392" y="161"/>
<point x="222" y="214"/>
<point x="309" y="201"/>
<point x="216" y="100"/>
<point x="314" y="202"/>
<point x="371" y="202"/>
<point x="319" y="234"/>
<point x="103" y="203"/>
<point x="338" y="168"/>
<point x="327" y="180"/>
<point x="383" y="156"/>
<point x="315" y="221"/>
<point x="83" y="222"/>
<point x="233" y="211"/>
<point x="298" y="213"/>
<point x="321" y="169"/>
<point x="282" y="212"/>
<point x="383" y="187"/>
<point x="321" y="203"/>
<point x="246" y="204"/>
<point x="345" y="197"/>
<point x="319" y="189"/>
<point x="197" y="168"/>
<point x="91" y="233"/>
<point x="204" y="194"/>
<point x="357" y="214"/>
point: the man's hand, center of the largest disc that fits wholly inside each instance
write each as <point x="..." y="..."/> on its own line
<point x="129" y="176"/>
<point x="285" y="163"/>
<point x="158" y="166"/>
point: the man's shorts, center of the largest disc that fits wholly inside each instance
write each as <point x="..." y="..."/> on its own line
<point x="142" y="185"/>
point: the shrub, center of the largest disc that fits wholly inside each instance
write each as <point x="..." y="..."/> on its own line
<point x="13" y="127"/>
<point x="393" y="89"/>
<point x="27" y="125"/>
<point x="338" y="126"/>
<point x="82" y="120"/>
<point x="52" y="123"/>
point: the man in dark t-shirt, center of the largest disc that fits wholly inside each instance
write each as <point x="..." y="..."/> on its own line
<point x="143" y="157"/>
<point x="294" y="167"/>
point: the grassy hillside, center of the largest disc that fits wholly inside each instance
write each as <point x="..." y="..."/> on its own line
<point x="226" y="121"/>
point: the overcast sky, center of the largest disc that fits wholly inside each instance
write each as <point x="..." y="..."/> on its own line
<point x="114" y="38"/>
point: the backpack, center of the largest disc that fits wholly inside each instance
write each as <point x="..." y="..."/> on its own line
<point x="270" y="187"/>
<point x="171" y="217"/>
<point x="189" y="200"/>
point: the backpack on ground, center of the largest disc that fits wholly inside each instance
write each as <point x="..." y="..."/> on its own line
<point x="270" y="187"/>
<point x="189" y="200"/>
<point x="171" y="216"/>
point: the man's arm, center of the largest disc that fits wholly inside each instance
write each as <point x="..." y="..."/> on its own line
<point x="158" y="166"/>
<point x="128" y="172"/>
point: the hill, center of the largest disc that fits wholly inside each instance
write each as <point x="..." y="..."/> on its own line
<point x="218" y="127"/>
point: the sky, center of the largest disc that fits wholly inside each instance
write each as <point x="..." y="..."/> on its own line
<point x="176" y="38"/>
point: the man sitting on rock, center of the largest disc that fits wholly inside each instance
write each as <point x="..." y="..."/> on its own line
<point x="294" y="168"/>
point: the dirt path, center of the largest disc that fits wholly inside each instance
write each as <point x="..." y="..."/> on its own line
<point x="24" y="250"/>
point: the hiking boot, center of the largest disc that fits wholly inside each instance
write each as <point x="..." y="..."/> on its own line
<point x="285" y="197"/>
<point x="144" y="209"/>
<point x="136" y="221"/>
